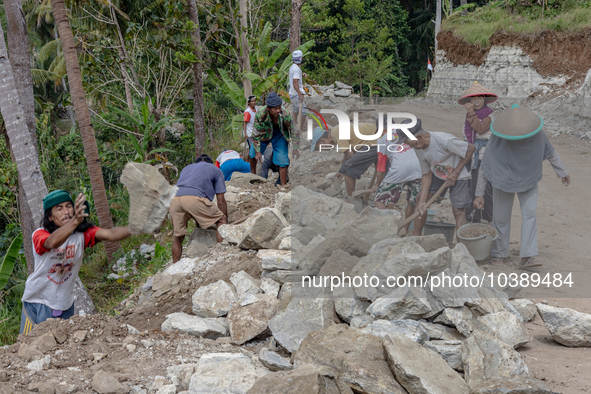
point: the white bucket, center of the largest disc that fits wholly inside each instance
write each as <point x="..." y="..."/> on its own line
<point x="478" y="247"/>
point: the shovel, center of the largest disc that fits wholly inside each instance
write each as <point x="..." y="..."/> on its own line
<point x="403" y="222"/>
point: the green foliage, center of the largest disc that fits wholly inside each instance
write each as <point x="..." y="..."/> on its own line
<point x="9" y="259"/>
<point x="519" y="16"/>
<point x="357" y="36"/>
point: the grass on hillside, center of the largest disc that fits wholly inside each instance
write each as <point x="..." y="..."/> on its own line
<point x="483" y="22"/>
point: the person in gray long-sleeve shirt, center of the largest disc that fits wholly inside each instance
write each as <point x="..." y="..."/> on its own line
<point x="513" y="165"/>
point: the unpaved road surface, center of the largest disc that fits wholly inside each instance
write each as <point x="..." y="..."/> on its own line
<point x="564" y="230"/>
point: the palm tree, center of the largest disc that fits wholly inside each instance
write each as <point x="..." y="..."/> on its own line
<point x="24" y="152"/>
<point x="198" y="115"/>
<point x="84" y="121"/>
<point x="20" y="61"/>
<point x="295" y="26"/>
<point x="437" y="22"/>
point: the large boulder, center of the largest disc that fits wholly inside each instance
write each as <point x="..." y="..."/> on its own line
<point x="317" y="257"/>
<point x="247" y="322"/>
<point x="402" y="303"/>
<point x="567" y="326"/>
<point x="487" y="358"/>
<point x="223" y="373"/>
<point x="429" y="243"/>
<point x="104" y="383"/>
<point x="375" y="225"/>
<point x="358" y="359"/>
<point x="514" y="385"/>
<point x="150" y="195"/>
<point x="214" y="300"/>
<point x="450" y="351"/>
<point x="420" y="370"/>
<point x="245" y="284"/>
<point x="302" y="316"/>
<point x="259" y="231"/>
<point x="526" y="308"/>
<point x="506" y="327"/>
<point x="405" y="259"/>
<point x="274" y="361"/>
<point x="200" y="242"/>
<point x="283" y="203"/>
<point x="195" y="325"/>
<point x="273" y="259"/>
<point x="461" y="318"/>
<point x="409" y="328"/>
<point x="305" y="379"/>
<point x="241" y="180"/>
<point x="262" y="228"/>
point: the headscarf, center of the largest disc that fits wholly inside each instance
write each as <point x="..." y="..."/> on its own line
<point x="56" y="197"/>
<point x="297" y="56"/>
<point x="481" y="114"/>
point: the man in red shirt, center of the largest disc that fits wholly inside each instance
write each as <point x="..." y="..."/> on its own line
<point x="58" y="250"/>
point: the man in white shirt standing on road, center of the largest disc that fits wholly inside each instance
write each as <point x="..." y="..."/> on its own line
<point x="296" y="93"/>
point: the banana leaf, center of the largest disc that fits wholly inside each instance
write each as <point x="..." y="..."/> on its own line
<point x="9" y="259"/>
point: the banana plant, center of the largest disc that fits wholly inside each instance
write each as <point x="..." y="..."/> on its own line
<point x="142" y="120"/>
<point x="9" y="259"/>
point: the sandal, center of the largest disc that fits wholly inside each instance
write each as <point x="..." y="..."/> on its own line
<point x="528" y="264"/>
<point x="497" y="261"/>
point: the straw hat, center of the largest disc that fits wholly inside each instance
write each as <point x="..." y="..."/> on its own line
<point x="477" y="90"/>
<point x="516" y="123"/>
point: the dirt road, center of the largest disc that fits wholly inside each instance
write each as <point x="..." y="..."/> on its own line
<point x="564" y="246"/>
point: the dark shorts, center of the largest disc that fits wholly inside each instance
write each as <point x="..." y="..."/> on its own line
<point x="360" y="162"/>
<point x="34" y="314"/>
<point x="459" y="194"/>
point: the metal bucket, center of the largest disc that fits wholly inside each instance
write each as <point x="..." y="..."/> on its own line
<point x="447" y="229"/>
<point x="478" y="247"/>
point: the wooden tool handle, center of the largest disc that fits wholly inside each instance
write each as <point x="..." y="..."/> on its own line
<point x="417" y="213"/>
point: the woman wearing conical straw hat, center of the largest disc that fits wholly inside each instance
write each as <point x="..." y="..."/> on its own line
<point x="476" y="131"/>
<point x="513" y="165"/>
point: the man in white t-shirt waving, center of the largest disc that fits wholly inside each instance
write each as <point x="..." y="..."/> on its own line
<point x="296" y="92"/>
<point x="58" y="250"/>
<point x="445" y="156"/>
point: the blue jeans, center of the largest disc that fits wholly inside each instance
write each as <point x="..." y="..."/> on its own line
<point x="234" y="165"/>
<point x="280" y="149"/>
<point x="34" y="314"/>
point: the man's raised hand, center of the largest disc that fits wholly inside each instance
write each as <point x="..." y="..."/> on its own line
<point x="79" y="208"/>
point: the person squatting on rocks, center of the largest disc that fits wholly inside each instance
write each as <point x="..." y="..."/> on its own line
<point x="443" y="160"/>
<point x="271" y="126"/>
<point x="230" y="161"/>
<point x="405" y="170"/>
<point x="513" y="165"/>
<point x="358" y="154"/>
<point x="268" y="165"/>
<point x="58" y="251"/>
<point x="248" y="126"/>
<point x="197" y="185"/>
<point x="296" y="94"/>
<point x="476" y="130"/>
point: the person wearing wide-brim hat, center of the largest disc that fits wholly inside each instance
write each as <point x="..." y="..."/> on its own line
<point x="58" y="251"/>
<point x="513" y="165"/>
<point x="476" y="131"/>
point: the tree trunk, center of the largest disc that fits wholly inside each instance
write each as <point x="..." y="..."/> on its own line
<point x="25" y="155"/>
<point x="84" y="122"/>
<point x="464" y="2"/>
<point x="199" y="118"/>
<point x="437" y="22"/>
<point x="294" y="28"/>
<point x="244" y="50"/>
<point x="20" y="61"/>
